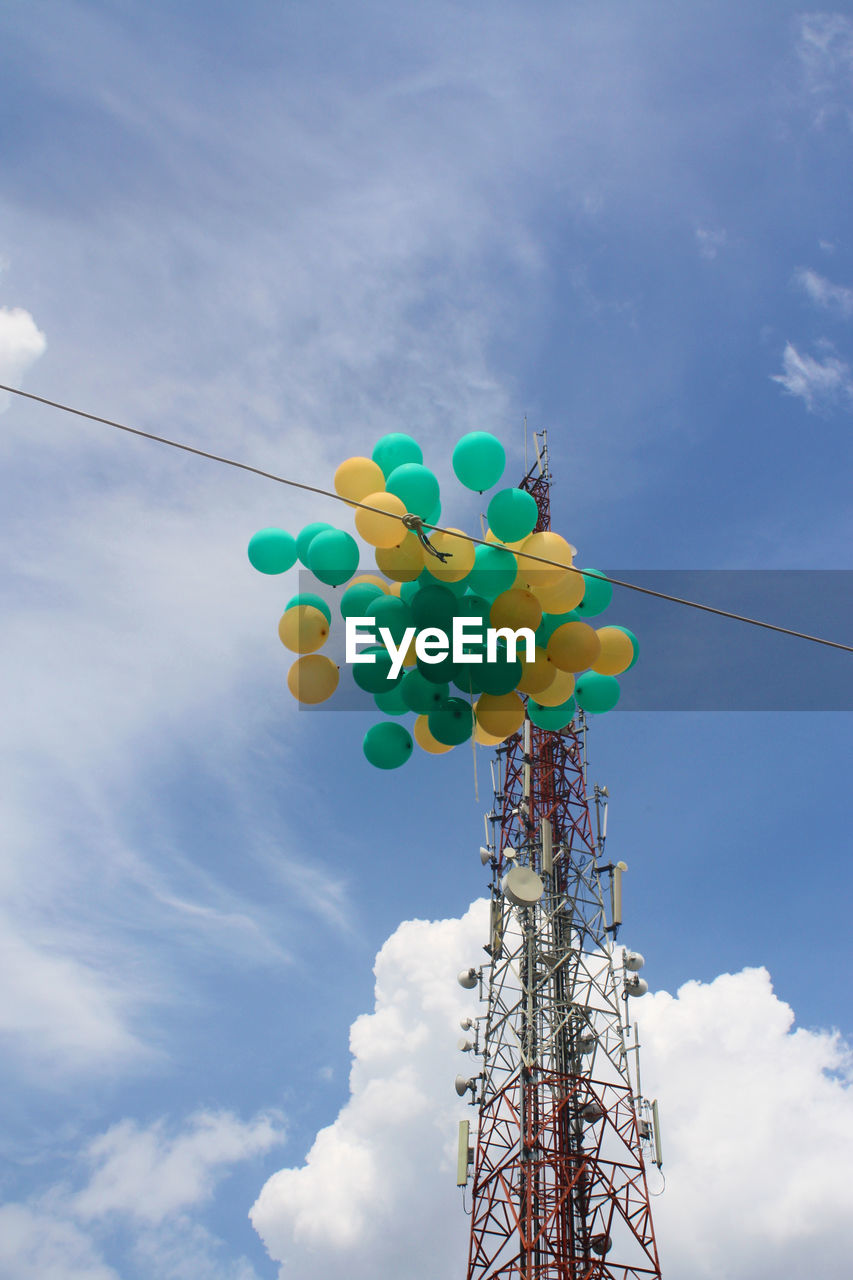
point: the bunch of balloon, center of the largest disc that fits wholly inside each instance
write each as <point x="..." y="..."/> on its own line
<point x="429" y="581"/>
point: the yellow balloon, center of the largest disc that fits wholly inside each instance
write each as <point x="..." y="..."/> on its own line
<point x="500" y="713"/>
<point x="394" y="588"/>
<point x="563" y="594"/>
<point x="549" y="546"/>
<point x="302" y="629"/>
<point x="617" y="652"/>
<point x="380" y="530"/>
<point x="459" y="547"/>
<point x="403" y="562"/>
<point x="516" y="608"/>
<point x="521" y="581"/>
<point x="482" y="737"/>
<point x="574" y="646"/>
<point x="372" y="578"/>
<point x="410" y="658"/>
<point x="425" y="740"/>
<point x="313" y="678"/>
<point x="559" y="690"/>
<point x="510" y="546"/>
<point x="357" y="477"/>
<point x="536" y="675"/>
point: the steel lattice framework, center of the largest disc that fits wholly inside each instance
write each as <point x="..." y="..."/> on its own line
<point x="559" y="1182"/>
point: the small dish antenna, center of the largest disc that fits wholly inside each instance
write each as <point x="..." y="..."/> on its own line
<point x="522" y="886"/>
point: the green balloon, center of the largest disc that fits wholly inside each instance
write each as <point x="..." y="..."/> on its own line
<point x="597" y="594"/>
<point x="552" y="718"/>
<point x="391" y="702"/>
<point x="333" y="556"/>
<point x="494" y="571"/>
<point x="422" y="695"/>
<point x="434" y="516"/>
<point x="355" y="599"/>
<point x="374" y="677"/>
<point x="549" y="624"/>
<point x="315" y="601"/>
<point x="272" y="551"/>
<point x="433" y="605"/>
<point x="476" y="610"/>
<point x="498" y="676"/>
<point x="473" y="606"/>
<point x="408" y="590"/>
<point x="394" y="450"/>
<point x="458" y="588"/>
<point x="391" y="612"/>
<point x="634" y="641"/>
<point x="513" y="514"/>
<point x="387" y="745"/>
<point x="597" y="693"/>
<point x="304" y="539"/>
<point x="442" y="672"/>
<point x="452" y="722"/>
<point x="415" y="486"/>
<point x="479" y="460"/>
<point x="465" y="679"/>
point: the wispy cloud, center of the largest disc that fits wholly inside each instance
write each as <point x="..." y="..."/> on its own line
<point x="150" y="1174"/>
<point x="825" y="47"/>
<point x="155" y="1181"/>
<point x="710" y="242"/>
<point x="823" y="292"/>
<point x="820" y="384"/>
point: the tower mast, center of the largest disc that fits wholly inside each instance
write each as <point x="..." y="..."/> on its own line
<point x="559" y="1182"/>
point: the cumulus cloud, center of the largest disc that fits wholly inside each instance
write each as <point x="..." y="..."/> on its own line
<point x="823" y="292"/>
<point x="377" y="1188"/>
<point x="757" y="1121"/>
<point x="21" y="343"/>
<point x="818" y="383"/>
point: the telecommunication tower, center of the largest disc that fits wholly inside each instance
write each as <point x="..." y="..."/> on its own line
<point x="559" y="1189"/>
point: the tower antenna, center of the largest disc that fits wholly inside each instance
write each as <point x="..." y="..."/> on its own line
<point x="559" y="1186"/>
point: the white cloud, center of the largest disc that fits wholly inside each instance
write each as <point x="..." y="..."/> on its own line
<point x="57" y="1004"/>
<point x="378" y="1181"/>
<point x="825" y="48"/>
<point x="147" y="1174"/>
<point x="38" y="1244"/>
<point x="21" y="343"/>
<point x="153" y="1180"/>
<point x="710" y="242"/>
<point x="823" y="292"/>
<point x="819" y="383"/>
<point x="185" y="1250"/>
<point x="757" y="1123"/>
<point x="758" y="1132"/>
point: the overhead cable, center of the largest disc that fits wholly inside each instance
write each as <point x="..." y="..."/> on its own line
<point x="423" y="525"/>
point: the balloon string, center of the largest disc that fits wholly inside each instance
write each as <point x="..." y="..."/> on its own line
<point x="424" y="525"/>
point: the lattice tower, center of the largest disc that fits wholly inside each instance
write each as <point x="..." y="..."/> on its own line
<point x="559" y="1179"/>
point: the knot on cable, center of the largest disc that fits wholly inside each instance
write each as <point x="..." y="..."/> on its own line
<point x="415" y="525"/>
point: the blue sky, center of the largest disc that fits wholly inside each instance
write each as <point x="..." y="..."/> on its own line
<point x="279" y="232"/>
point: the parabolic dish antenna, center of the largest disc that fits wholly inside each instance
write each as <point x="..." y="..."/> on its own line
<point x="522" y="886"/>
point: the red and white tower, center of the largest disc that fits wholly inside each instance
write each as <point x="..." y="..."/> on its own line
<point x="559" y="1189"/>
